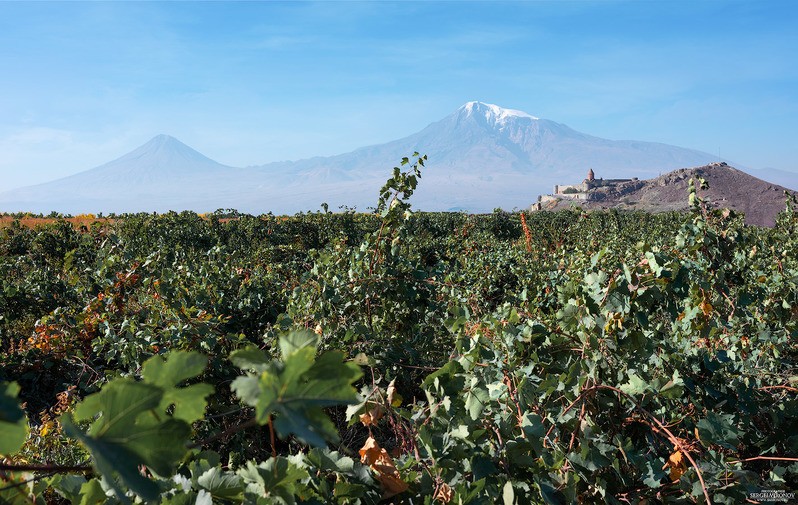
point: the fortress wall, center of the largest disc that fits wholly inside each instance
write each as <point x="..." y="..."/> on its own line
<point x="574" y="196"/>
<point x="561" y="188"/>
<point x="599" y="183"/>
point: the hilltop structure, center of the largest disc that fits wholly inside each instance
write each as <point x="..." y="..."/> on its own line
<point x="580" y="192"/>
<point x="729" y="188"/>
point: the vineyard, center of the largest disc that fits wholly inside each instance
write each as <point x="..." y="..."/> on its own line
<point x="400" y="357"/>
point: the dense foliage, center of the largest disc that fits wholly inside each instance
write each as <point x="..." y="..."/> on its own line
<point x="351" y="358"/>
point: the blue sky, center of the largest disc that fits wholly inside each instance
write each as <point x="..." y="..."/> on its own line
<point x="247" y="83"/>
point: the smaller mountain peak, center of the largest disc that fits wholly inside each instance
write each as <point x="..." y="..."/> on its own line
<point x="493" y="112"/>
<point x="161" y="142"/>
<point x="166" y="143"/>
<point x="163" y="139"/>
<point x="167" y="151"/>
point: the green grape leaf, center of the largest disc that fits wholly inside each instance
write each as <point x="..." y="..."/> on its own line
<point x="310" y="424"/>
<point x="674" y="388"/>
<point x="334" y="378"/>
<point x="247" y="389"/>
<point x="476" y="398"/>
<point x="296" y="340"/>
<point x="718" y="429"/>
<point x="635" y="386"/>
<point x="167" y="373"/>
<point x="304" y="387"/>
<point x="13" y="425"/>
<point x="68" y="486"/>
<point x="276" y="478"/>
<point x="549" y="493"/>
<point x="250" y="358"/>
<point x="222" y="485"/>
<point x="297" y="389"/>
<point x="127" y="435"/>
<point x="92" y="493"/>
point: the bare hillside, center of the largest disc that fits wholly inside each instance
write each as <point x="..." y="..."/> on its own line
<point x="761" y="201"/>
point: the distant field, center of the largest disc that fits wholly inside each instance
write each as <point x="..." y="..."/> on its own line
<point x="35" y="221"/>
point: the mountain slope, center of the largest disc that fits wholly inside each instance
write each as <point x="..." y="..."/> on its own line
<point x="483" y="138"/>
<point x="480" y="157"/>
<point x="163" y="174"/>
<point x="483" y="156"/>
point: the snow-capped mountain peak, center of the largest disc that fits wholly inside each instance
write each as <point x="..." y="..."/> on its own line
<point x="493" y="113"/>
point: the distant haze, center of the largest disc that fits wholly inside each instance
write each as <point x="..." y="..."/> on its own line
<point x="481" y="157"/>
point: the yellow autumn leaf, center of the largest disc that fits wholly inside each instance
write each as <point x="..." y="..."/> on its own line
<point x="678" y="465"/>
<point x="614" y="320"/>
<point x="397" y="400"/>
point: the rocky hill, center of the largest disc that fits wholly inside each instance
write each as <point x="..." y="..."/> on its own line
<point x="759" y="200"/>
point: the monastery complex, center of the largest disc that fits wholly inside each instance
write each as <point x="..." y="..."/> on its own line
<point x="578" y="192"/>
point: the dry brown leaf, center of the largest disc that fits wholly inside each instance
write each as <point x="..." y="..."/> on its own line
<point x="444" y="493"/>
<point x="392" y="484"/>
<point x="366" y="419"/>
<point x="380" y="461"/>
<point x="372" y="454"/>
<point x="394" y="399"/>
<point x="371" y="417"/>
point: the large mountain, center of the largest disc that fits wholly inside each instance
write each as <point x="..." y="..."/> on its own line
<point x="480" y="157"/>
